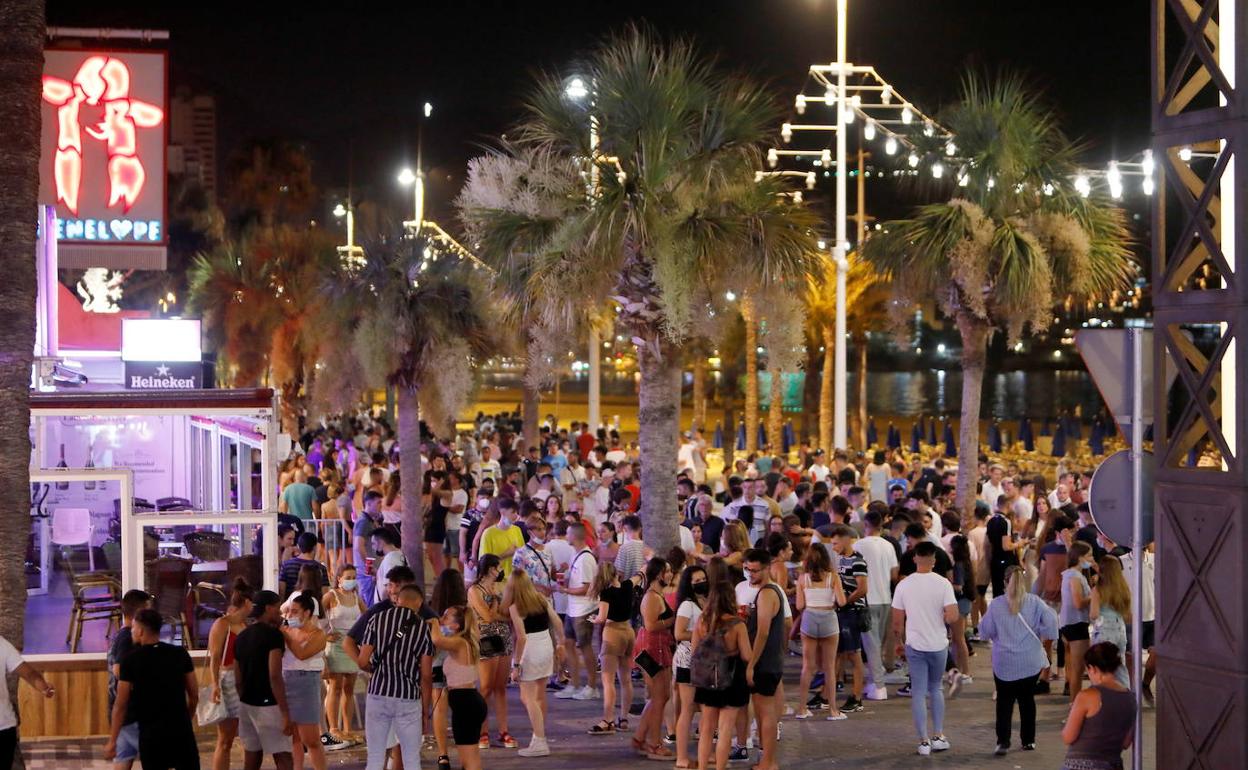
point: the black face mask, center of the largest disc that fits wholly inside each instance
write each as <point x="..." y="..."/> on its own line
<point x="701" y="589"/>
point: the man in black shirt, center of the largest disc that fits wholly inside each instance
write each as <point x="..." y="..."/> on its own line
<point x="712" y="525"/>
<point x="264" y="724"/>
<point x="915" y="534"/>
<point x="1002" y="547"/>
<point x="160" y="680"/>
<point x="122" y="645"/>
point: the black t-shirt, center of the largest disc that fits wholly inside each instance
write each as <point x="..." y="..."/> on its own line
<point x="251" y="651"/>
<point x="619" y="601"/>
<point x="157" y="677"/>
<point x="712" y="532"/>
<point x="944" y="565"/>
<point x="820" y="519"/>
<point x="121" y="647"/>
<point x="998" y="529"/>
<point x="803" y="516"/>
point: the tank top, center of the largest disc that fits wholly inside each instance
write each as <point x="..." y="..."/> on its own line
<point x="1102" y="733"/>
<point x="458" y="674"/>
<point x="537" y="623"/>
<point x="291" y="663"/>
<point x="344" y="613"/>
<point x="227" y="659"/>
<point x="772" y="659"/>
<point x="821" y="597"/>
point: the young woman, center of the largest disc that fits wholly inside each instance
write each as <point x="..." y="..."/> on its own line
<point x="653" y="652"/>
<point x="1101" y="724"/>
<point x="439" y="495"/>
<point x="819" y="593"/>
<point x="343" y="606"/>
<point x="221" y="636"/>
<point x="1016" y="624"/>
<point x="539" y="645"/>
<point x="964" y="592"/>
<point x="448" y="591"/>
<point x="690" y="599"/>
<point x="1073" y="617"/>
<point x="1110" y="611"/>
<point x="485" y="598"/>
<point x="333" y="528"/>
<point x="877" y="474"/>
<point x="607" y="545"/>
<point x="392" y="500"/>
<point x="720" y="706"/>
<point x="615" y="614"/>
<point x="553" y="508"/>
<point x="302" y="665"/>
<point x="455" y="634"/>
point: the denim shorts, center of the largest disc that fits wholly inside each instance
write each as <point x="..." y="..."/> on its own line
<point x="303" y="696"/>
<point x="819" y="624"/>
<point x="128" y="743"/>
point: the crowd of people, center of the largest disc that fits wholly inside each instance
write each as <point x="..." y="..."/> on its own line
<point x="864" y="568"/>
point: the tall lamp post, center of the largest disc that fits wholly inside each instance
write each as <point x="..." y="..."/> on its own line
<point x="417" y="178"/>
<point x="577" y="90"/>
<point x="840" y="399"/>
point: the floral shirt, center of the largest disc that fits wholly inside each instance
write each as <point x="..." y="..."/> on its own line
<point x="538" y="565"/>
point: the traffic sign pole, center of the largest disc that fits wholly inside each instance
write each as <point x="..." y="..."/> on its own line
<point x="1135" y="344"/>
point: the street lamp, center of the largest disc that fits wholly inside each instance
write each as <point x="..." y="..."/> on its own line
<point x="417" y="180"/>
<point x="577" y="90"/>
<point x="352" y="256"/>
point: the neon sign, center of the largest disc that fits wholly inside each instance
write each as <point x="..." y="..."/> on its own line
<point x="103" y="151"/>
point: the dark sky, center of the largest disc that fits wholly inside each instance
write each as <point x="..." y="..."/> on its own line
<point x="355" y="75"/>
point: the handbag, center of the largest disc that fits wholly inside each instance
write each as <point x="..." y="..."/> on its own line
<point x="210" y="712"/>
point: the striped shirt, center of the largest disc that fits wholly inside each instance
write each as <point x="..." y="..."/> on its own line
<point x="853" y="572"/>
<point x="396" y="673"/>
<point x="1017" y="651"/>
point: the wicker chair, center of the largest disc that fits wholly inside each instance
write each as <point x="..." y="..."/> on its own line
<point x="168" y="579"/>
<point x="97" y="596"/>
<point x="211" y="598"/>
<point x="207" y="546"/>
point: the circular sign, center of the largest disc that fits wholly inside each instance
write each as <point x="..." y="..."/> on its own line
<point x="1109" y="497"/>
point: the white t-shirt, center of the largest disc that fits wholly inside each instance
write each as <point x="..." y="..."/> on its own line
<point x="11" y="659"/>
<point x="581" y="572"/>
<point x="561" y="552"/>
<point x="487" y="469"/>
<point x="746" y="594"/>
<point x="990" y="493"/>
<point x="616" y="456"/>
<point x="684" y="650"/>
<point x="788" y="503"/>
<point x="684" y="456"/>
<point x="1147" y="607"/>
<point x="881" y="559"/>
<point x="819" y="472"/>
<point x="458" y="497"/>
<point x="388" y="562"/>
<point x="923" y="596"/>
<point x="686" y="539"/>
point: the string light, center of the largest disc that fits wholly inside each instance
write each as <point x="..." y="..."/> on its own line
<point x="907" y="115"/>
<point x="938" y="170"/>
<point x="786" y="132"/>
<point x="868" y="131"/>
<point x="890" y="146"/>
<point x="886" y="94"/>
<point x="913" y="160"/>
<point x="1114" y="177"/>
<point x="800" y="104"/>
<point x="1185" y="154"/>
<point x="1083" y="186"/>
<point x="951" y="149"/>
<point x="825" y="157"/>
<point x="773" y="157"/>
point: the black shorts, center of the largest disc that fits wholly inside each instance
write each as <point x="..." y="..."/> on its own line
<point x="1149" y="635"/>
<point x="851" y="631"/>
<point x="765" y="684"/>
<point x="468" y="712"/>
<point x="1075" y="632"/>
<point x="981" y="590"/>
<point x="683" y="676"/>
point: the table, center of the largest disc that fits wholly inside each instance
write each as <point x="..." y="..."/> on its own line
<point x="209" y="566"/>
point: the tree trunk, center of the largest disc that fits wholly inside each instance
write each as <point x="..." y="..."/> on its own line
<point x="862" y="393"/>
<point x="657" y="414"/>
<point x="825" y="389"/>
<point x="699" y="390"/>
<point x="22" y="30"/>
<point x="775" y="414"/>
<point x="530" y="404"/>
<point x="974" y="353"/>
<point x="751" y="375"/>
<point x="413" y="480"/>
<point x="730" y="440"/>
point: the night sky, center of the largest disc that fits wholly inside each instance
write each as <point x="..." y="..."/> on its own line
<point x="349" y="79"/>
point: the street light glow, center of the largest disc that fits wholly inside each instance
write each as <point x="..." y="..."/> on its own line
<point x="428" y="109"/>
<point x="406" y="177"/>
<point x="576" y="89"/>
<point x="340" y="210"/>
<point x="890" y="146"/>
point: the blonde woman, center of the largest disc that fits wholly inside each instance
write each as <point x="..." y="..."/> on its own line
<point x="456" y="634"/>
<point x="819" y="594"/>
<point x="1111" y="609"/>
<point x="615" y="613"/>
<point x="539" y="647"/>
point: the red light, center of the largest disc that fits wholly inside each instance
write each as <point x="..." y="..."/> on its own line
<point x="100" y="81"/>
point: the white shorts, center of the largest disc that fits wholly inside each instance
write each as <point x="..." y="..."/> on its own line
<point x="260" y="728"/>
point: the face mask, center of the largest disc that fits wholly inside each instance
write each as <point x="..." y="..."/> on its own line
<point x="381" y="553"/>
<point x="448" y="631"/>
<point x="294" y="622"/>
<point x="701" y="589"/>
<point x="483" y="504"/>
<point x="504" y="522"/>
<point x="349" y="584"/>
<point x="535" y="540"/>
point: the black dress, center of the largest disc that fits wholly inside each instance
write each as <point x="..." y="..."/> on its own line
<point x="737" y="694"/>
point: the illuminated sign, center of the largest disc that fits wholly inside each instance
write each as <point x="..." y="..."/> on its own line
<point x="160" y="339"/>
<point x="144" y="375"/>
<point x="102" y="160"/>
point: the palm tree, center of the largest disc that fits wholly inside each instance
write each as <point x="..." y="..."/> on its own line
<point x="419" y="323"/>
<point x="677" y="219"/>
<point x="22" y="31"/>
<point x="1015" y="240"/>
<point x="749" y="314"/>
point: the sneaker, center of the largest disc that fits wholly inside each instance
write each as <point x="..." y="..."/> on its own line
<point x="877" y="692"/>
<point x="816" y="702"/>
<point x="1002" y="750"/>
<point x="955" y="684"/>
<point x="585" y="693"/>
<point x="670" y="739"/>
<point x="852" y="704"/>
<point x="537" y="748"/>
<point x="1029" y="747"/>
<point x="816" y="684"/>
<point x="803" y="714"/>
<point x="330" y="743"/>
<point x="925" y="749"/>
<point x="739" y="754"/>
<point x="904" y="690"/>
<point x="567" y="693"/>
<point x="940" y="743"/>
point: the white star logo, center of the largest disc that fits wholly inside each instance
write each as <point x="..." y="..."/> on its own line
<point x="162" y="371"/>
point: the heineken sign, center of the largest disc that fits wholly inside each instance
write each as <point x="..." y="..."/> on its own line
<point x="152" y="375"/>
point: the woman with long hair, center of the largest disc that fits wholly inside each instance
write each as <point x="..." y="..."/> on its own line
<point x="485" y="598"/>
<point x="448" y="591"/>
<point x="343" y="606"/>
<point x="552" y="509"/>
<point x="615" y="615"/>
<point x="1073" y="617"/>
<point x="1016" y="624"/>
<point x="653" y="654"/>
<point x="311" y="582"/>
<point x="455" y="633"/>
<point x="819" y="594"/>
<point x="221" y="636"/>
<point x="690" y="599"/>
<point x="302" y="665"/>
<point x="607" y="545"/>
<point x="724" y="631"/>
<point x="964" y="592"/>
<point x="392" y="500"/>
<point x="534" y="620"/>
<point x="1111" y="609"/>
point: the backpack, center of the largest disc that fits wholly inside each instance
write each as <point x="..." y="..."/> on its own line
<point x="713" y="667"/>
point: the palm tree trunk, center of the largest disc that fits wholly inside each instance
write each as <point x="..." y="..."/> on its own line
<point x="22" y="30"/>
<point x="531" y="400"/>
<point x="862" y="392"/>
<point x="657" y="415"/>
<point x="751" y="374"/>
<point x="413" y="480"/>
<point x="825" y="389"/>
<point x="699" y="390"/>
<point x="775" y="414"/>
<point x="974" y="353"/>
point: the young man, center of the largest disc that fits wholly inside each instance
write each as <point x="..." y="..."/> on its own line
<point x="763" y="673"/>
<point x="504" y="538"/>
<point x="578" y="630"/>
<point x="853" y="615"/>
<point x="994" y="487"/>
<point x="978" y="539"/>
<point x="882" y="572"/>
<point x="297" y="498"/>
<point x="288" y="575"/>
<point x="127" y="745"/>
<point x="264" y="725"/>
<point x="398" y="650"/>
<point x="159" y="679"/>
<point x="923" y="605"/>
<point x="386" y="544"/>
<point x="631" y="557"/>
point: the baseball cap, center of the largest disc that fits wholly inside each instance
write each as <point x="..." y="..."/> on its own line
<point x="262" y="601"/>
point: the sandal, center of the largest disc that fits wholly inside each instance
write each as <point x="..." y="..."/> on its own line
<point x="484" y="741"/>
<point x="639" y="746"/>
<point x="660" y="753"/>
<point x="621" y="724"/>
<point x="444" y="762"/>
<point x="507" y="741"/>
<point x="602" y="728"/>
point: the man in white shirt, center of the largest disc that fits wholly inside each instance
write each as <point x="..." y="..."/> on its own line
<point x="923" y="606"/>
<point x="616" y="453"/>
<point x="882" y="566"/>
<point x="487" y="467"/>
<point x="387" y="544"/>
<point x="578" y="630"/>
<point x="732" y="511"/>
<point x="994" y="487"/>
<point x="1020" y="505"/>
<point x="685" y="455"/>
<point x="818" y="471"/>
<point x="454" y="512"/>
<point x="1060" y="496"/>
<point x="1147" y="613"/>
<point x="785" y="496"/>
